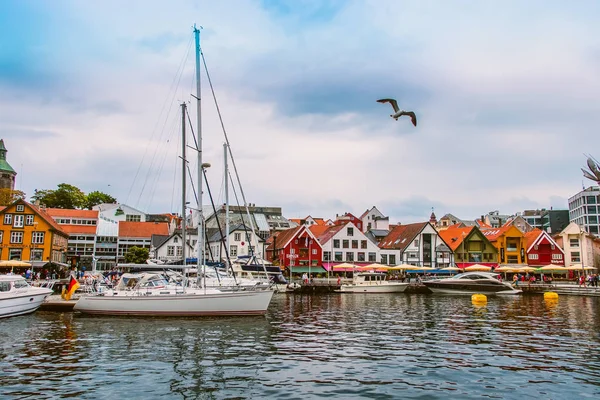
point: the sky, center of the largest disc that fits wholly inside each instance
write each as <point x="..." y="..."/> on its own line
<point x="507" y="96"/>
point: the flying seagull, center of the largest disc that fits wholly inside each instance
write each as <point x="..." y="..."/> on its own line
<point x="398" y="112"/>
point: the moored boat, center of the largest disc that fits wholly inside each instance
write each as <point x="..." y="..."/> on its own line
<point x="17" y="297"/>
<point x="372" y="282"/>
<point x="471" y="283"/>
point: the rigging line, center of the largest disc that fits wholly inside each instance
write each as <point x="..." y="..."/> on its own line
<point x="159" y="118"/>
<point x="192" y="182"/>
<point x="161" y="166"/>
<point x="175" y="175"/>
<point x="229" y="264"/>
<point x="157" y="145"/>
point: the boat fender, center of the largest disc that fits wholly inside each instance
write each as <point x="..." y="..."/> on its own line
<point x="550" y="296"/>
<point x="479" y="298"/>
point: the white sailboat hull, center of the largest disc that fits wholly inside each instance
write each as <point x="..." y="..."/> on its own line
<point x="210" y="303"/>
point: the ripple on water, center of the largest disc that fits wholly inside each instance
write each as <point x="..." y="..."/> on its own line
<point x="344" y="346"/>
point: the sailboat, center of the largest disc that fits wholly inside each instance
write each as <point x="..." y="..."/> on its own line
<point x="159" y="297"/>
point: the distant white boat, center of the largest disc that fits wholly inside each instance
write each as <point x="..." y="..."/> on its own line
<point x="17" y="297"/>
<point x="372" y="282"/>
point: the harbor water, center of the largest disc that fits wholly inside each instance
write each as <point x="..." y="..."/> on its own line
<point x="384" y="346"/>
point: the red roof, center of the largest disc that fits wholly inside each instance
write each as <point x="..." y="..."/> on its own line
<point x="493" y="234"/>
<point x="142" y="229"/>
<point x="455" y="235"/>
<point x="401" y="236"/>
<point x="72" y="213"/>
<point x="318" y="230"/>
<point x="283" y="237"/>
<point x="531" y="237"/>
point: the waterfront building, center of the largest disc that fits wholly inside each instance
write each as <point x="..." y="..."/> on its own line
<point x="242" y="242"/>
<point x="28" y="233"/>
<point x="169" y="248"/>
<point x="580" y="248"/>
<point x="265" y="220"/>
<point x="510" y="243"/>
<point x="542" y="250"/>
<point x="447" y="221"/>
<point x="348" y="217"/>
<point x="137" y="234"/>
<point x="81" y="226"/>
<point x="584" y="209"/>
<point x="519" y="222"/>
<point x="551" y="221"/>
<point x="115" y="212"/>
<point x="7" y="173"/>
<point x="297" y="250"/>
<point x="347" y="244"/>
<point x="374" y="219"/>
<point x="415" y="244"/>
<point x="495" y="219"/>
<point x="310" y="221"/>
<point x="470" y="246"/>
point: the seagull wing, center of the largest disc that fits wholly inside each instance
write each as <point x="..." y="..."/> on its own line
<point x="412" y="116"/>
<point x="392" y="102"/>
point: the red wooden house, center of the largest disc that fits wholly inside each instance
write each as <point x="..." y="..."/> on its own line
<point x="297" y="248"/>
<point x="542" y="249"/>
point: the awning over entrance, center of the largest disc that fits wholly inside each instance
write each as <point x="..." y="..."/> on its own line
<point x="47" y="264"/>
<point x="311" y="270"/>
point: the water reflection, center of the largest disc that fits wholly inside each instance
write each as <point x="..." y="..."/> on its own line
<point x="339" y="345"/>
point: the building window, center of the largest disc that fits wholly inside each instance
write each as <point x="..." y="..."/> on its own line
<point x="170" y="251"/>
<point x="533" y="256"/>
<point x="237" y="236"/>
<point x="350" y="232"/>
<point x="37" y="237"/>
<point x="574" y="242"/>
<point x="511" y="246"/>
<point x="355" y="244"/>
<point x="14" y="254"/>
<point x="1" y="236"/>
<point x="338" y="256"/>
<point x="336" y="243"/>
<point x="575" y="258"/>
<point x="363" y="244"/>
<point x="179" y="251"/>
<point x="37" y="254"/>
<point x="349" y="256"/>
<point x="29" y="219"/>
<point x="384" y="259"/>
<point x="7" y="219"/>
<point x="512" y="259"/>
<point x="392" y="259"/>
<point x="345" y="244"/>
<point x="326" y="256"/>
<point x="417" y="243"/>
<point x="314" y="251"/>
<point x="16" y="237"/>
<point x="20" y="208"/>
<point x="557" y="256"/>
<point x="233" y="251"/>
<point x="372" y="257"/>
<point x="133" y="218"/>
<point x="361" y="257"/>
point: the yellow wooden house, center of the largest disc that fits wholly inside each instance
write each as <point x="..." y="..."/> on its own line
<point x="28" y="233"/>
<point x="510" y="242"/>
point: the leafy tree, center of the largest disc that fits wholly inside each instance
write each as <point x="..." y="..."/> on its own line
<point x="137" y="255"/>
<point x="97" y="197"/>
<point x="65" y="196"/>
<point x="8" y="196"/>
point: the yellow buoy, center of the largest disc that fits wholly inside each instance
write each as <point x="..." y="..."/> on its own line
<point x="550" y="296"/>
<point x="479" y="298"/>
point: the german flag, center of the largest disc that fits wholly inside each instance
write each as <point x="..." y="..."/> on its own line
<point x="70" y="289"/>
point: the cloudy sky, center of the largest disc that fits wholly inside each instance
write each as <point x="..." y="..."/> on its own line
<point x="507" y="94"/>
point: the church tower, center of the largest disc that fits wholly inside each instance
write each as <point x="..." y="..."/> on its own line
<point x="7" y="174"/>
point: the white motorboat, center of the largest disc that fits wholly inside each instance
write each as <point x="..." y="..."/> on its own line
<point x="17" y="297"/>
<point x="372" y="282"/>
<point x="471" y="283"/>
<point x="153" y="295"/>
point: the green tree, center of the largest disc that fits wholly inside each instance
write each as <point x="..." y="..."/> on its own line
<point x="65" y="196"/>
<point x="8" y="196"/>
<point x="97" y="197"/>
<point x="137" y="255"/>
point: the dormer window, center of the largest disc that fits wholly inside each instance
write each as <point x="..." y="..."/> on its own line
<point x="20" y="208"/>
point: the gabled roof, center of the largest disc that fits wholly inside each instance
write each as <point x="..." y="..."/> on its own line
<point x="142" y="229"/>
<point x="330" y="233"/>
<point x="41" y="213"/>
<point x="402" y="235"/>
<point x="536" y="236"/>
<point x="159" y="240"/>
<point x="318" y="230"/>
<point x="284" y="237"/>
<point x="455" y="235"/>
<point x="494" y="233"/>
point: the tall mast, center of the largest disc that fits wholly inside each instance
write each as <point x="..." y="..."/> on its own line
<point x="225" y="167"/>
<point x="183" y="193"/>
<point x="199" y="152"/>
